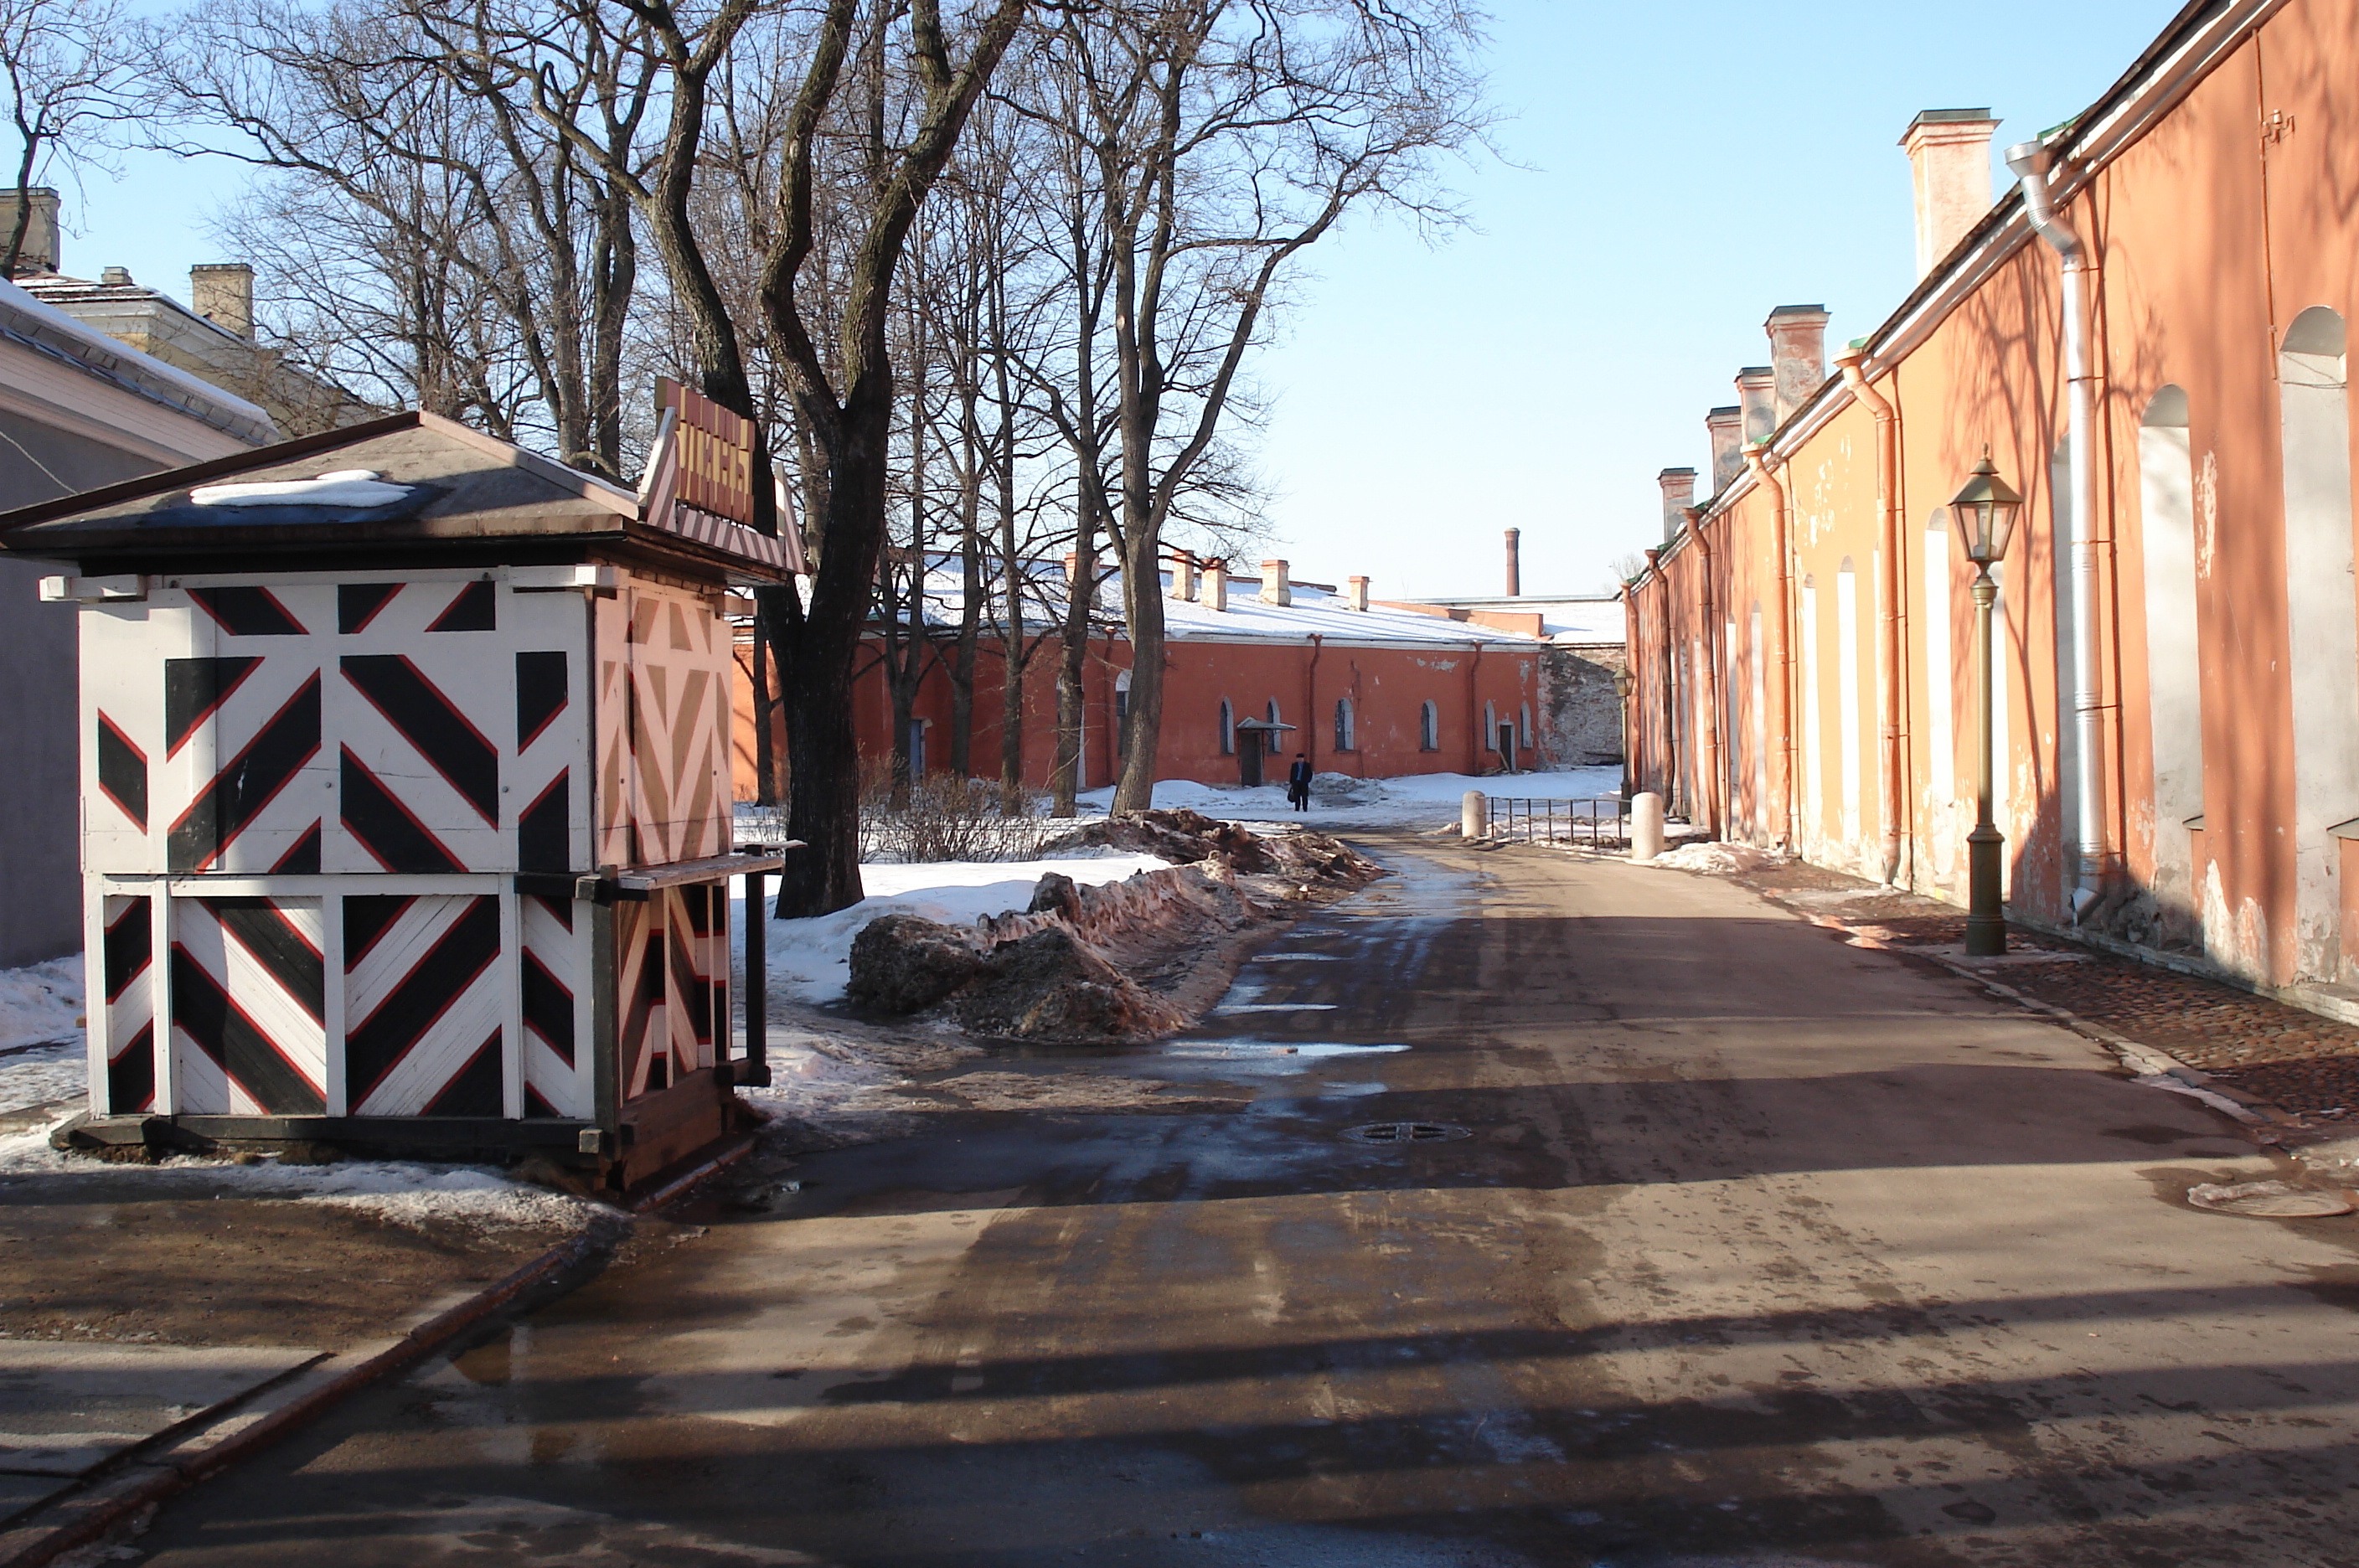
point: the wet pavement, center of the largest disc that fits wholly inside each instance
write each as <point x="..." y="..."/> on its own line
<point x="1757" y="1248"/>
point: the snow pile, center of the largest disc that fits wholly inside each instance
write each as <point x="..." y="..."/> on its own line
<point x="810" y="959"/>
<point x="395" y="1191"/>
<point x="40" y="1002"/>
<point x="1715" y="859"/>
<point x="43" y="1074"/>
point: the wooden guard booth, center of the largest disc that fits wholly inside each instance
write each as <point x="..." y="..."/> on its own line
<point x="405" y="808"/>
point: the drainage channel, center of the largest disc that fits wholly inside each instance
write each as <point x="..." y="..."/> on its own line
<point x="1395" y="1133"/>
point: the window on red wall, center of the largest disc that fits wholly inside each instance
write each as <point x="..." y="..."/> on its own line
<point x="1429" y="728"/>
<point x="1344" y="738"/>
<point x="1228" y="729"/>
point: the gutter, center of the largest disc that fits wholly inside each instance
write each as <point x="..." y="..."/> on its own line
<point x="1887" y="638"/>
<point x="1757" y="459"/>
<point x="2031" y="162"/>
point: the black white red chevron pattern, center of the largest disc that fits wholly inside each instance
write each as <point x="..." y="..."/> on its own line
<point x="424" y="997"/>
<point x="673" y="992"/>
<point x="555" y="977"/>
<point x="126" y="966"/>
<point x="248" y="986"/>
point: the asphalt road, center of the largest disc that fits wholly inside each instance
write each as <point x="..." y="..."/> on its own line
<point x="1758" y="1249"/>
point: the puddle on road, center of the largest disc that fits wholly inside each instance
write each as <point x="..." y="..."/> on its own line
<point x="1266" y="1056"/>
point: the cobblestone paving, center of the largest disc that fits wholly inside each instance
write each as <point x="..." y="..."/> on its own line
<point x="2305" y="1064"/>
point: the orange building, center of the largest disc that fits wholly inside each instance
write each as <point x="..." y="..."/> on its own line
<point x="2149" y="335"/>
<point x="1371" y="690"/>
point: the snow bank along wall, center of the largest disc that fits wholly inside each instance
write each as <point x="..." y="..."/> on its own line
<point x="2209" y="186"/>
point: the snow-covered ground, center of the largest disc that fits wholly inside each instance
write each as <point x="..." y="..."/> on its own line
<point x="1423" y="799"/>
<point x="810" y="959"/>
<point x="41" y="1001"/>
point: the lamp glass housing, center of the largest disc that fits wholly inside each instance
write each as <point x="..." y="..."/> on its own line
<point x="1622" y="684"/>
<point x="1985" y="512"/>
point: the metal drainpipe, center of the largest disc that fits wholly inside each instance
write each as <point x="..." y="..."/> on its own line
<point x="1888" y="640"/>
<point x="2031" y="162"/>
<point x="1716" y="782"/>
<point x="1310" y="704"/>
<point x="1756" y="459"/>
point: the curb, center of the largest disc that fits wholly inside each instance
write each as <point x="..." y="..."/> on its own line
<point x="137" y="1483"/>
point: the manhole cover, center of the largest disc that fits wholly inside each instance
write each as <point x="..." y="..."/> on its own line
<point x="2270" y="1200"/>
<point x="1407" y="1132"/>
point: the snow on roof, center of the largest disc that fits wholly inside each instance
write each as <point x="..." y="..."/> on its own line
<point x="1570" y="619"/>
<point x="1315" y="609"/>
<point x="47" y="330"/>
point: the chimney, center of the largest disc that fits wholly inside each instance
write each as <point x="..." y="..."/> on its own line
<point x="1217" y="584"/>
<point x="1275" y="588"/>
<point x="1726" y="429"/>
<point x="1797" y="353"/>
<point x="1678" y="496"/>
<point x="222" y="293"/>
<point x="1081" y="574"/>
<point x="1755" y="393"/>
<point x="1183" y="576"/>
<point x="1514" y="564"/>
<point x="1356" y="593"/>
<point x="115" y="277"/>
<point x="1949" y="164"/>
<point x="39" y="252"/>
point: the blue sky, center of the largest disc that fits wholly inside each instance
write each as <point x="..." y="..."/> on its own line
<point x="1670" y="174"/>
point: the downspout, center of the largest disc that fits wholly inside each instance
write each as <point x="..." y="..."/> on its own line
<point x="2031" y="162"/>
<point x="1756" y="459"/>
<point x="1887" y="638"/>
<point x="1709" y="698"/>
<point x="1474" y="711"/>
<point x="1311" y="704"/>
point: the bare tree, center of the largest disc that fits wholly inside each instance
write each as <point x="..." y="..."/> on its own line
<point x="66" y="70"/>
<point x="1213" y="142"/>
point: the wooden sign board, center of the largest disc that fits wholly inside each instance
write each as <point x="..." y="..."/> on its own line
<point x="716" y="453"/>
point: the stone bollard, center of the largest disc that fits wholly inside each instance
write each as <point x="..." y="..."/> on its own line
<point x="1645" y="826"/>
<point x="1477" y="821"/>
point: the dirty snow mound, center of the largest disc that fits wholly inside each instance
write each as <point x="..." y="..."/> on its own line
<point x="396" y="1191"/>
<point x="41" y="1001"/>
<point x="1714" y="859"/>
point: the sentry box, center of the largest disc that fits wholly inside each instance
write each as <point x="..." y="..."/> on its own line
<point x="407" y="822"/>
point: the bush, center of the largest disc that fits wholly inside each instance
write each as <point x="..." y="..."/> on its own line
<point x="943" y="818"/>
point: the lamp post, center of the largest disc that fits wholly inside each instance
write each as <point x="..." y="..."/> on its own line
<point x="1985" y="513"/>
<point x="1621" y="687"/>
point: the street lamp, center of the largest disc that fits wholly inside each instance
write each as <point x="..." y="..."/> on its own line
<point x="1985" y="512"/>
<point x="1623" y="686"/>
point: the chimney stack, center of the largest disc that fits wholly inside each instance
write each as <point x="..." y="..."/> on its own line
<point x="39" y="252"/>
<point x="1217" y="584"/>
<point x="1514" y="564"/>
<point x="1798" y="354"/>
<point x="1726" y="429"/>
<point x="1678" y="496"/>
<point x="1183" y="576"/>
<point x="1355" y="591"/>
<point x="222" y="293"/>
<point x="1949" y="163"/>
<point x="1757" y="395"/>
<point x="1277" y="588"/>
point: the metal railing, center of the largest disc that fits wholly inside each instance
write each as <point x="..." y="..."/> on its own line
<point x="1601" y="821"/>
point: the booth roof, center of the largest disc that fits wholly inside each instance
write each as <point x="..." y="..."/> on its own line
<point x="464" y="490"/>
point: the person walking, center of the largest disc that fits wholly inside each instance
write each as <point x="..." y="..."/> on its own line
<point x="1297" y="783"/>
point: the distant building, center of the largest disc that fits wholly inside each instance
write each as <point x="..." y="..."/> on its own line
<point x="1367" y="690"/>
<point x="1581" y="723"/>
<point x="78" y="410"/>
<point x="211" y="337"/>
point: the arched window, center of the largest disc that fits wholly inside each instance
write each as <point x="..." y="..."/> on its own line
<point x="1524" y="726"/>
<point x="1429" y="728"/>
<point x="1228" y="729"/>
<point x="1275" y="741"/>
<point x="1344" y="735"/>
<point x="1121" y="704"/>
<point x="1490" y="727"/>
<point x="2173" y="651"/>
<point x="2314" y="399"/>
<point x="1847" y="748"/>
<point x="1940" y="674"/>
